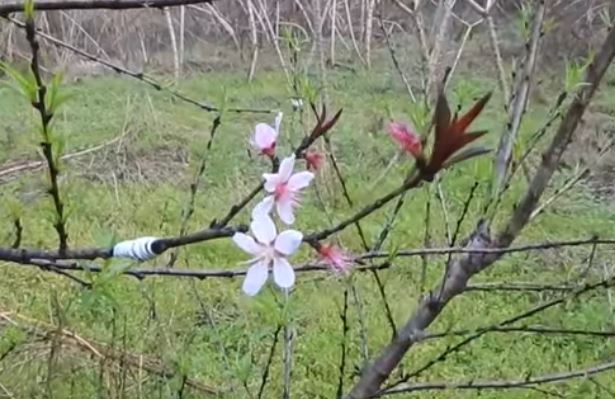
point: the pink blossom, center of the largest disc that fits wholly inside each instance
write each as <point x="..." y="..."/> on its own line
<point x="313" y="160"/>
<point x="337" y="259"/>
<point x="269" y="250"/>
<point x="265" y="137"/>
<point x="285" y="188"/>
<point x="405" y="138"/>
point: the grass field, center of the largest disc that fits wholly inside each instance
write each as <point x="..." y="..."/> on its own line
<point x="208" y="330"/>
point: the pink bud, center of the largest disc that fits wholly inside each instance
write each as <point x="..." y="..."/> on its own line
<point x="313" y="160"/>
<point x="405" y="138"/>
<point x="334" y="257"/>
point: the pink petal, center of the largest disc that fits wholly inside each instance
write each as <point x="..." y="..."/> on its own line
<point x="286" y="168"/>
<point x="263" y="228"/>
<point x="405" y="138"/>
<point x="288" y="241"/>
<point x="283" y="273"/>
<point x="284" y="206"/>
<point x="264" y="136"/>
<point x="271" y="181"/>
<point x="247" y="243"/>
<point x="300" y="180"/>
<point x="255" y="278"/>
<point x="264" y="207"/>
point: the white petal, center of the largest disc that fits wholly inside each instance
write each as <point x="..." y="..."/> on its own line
<point x="247" y="243"/>
<point x="263" y="207"/>
<point x="283" y="273"/>
<point x="263" y="228"/>
<point x="278" y="121"/>
<point x="300" y="180"/>
<point x="286" y="168"/>
<point x="271" y="181"/>
<point x="285" y="211"/>
<point x="264" y="135"/>
<point x="288" y="241"/>
<point x="255" y="278"/>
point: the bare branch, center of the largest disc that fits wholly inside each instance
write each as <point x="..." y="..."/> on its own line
<point x="137" y="75"/>
<point x="10" y="6"/>
<point x="502" y="384"/>
<point x="518" y="101"/>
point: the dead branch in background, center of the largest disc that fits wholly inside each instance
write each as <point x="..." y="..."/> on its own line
<point x="138" y="75"/>
<point x="45" y="332"/>
<point x="436" y="66"/>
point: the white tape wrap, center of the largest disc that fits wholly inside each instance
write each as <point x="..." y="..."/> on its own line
<point x="139" y="249"/>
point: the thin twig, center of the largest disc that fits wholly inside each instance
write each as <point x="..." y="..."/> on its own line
<point x="40" y="104"/>
<point x="526" y="382"/>
<point x="265" y="376"/>
<point x="138" y="75"/>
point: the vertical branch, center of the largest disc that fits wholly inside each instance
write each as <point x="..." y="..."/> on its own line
<point x="518" y="101"/>
<point x="188" y="211"/>
<point x="46" y="144"/>
<point x="493" y="36"/>
<point x="369" y="22"/>
<point x="171" y="28"/>
<point x="333" y="30"/>
<point x="355" y="45"/>
<point x="182" y="36"/>
<point x="253" y="40"/>
<point x="288" y="353"/>
<point x="276" y="336"/>
<point x="345" y="328"/>
<point x="436" y="60"/>
<point x="319" y="20"/>
<point x="396" y="64"/>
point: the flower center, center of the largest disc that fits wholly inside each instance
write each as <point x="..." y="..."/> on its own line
<point x="281" y="191"/>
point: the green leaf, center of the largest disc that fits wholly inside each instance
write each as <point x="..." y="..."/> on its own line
<point x="55" y="97"/>
<point x="26" y="84"/>
<point x="28" y="9"/>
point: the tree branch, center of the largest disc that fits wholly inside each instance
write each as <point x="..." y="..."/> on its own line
<point x="464" y="268"/>
<point x="501" y="384"/>
<point x="8" y="6"/>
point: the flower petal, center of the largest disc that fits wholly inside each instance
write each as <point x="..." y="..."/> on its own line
<point x="300" y="180"/>
<point x="263" y="228"/>
<point x="263" y="207"/>
<point x="255" y="278"/>
<point x="247" y="243"/>
<point x="286" y="168"/>
<point x="264" y="135"/>
<point x="284" y="206"/>
<point x="271" y="181"/>
<point x="283" y="273"/>
<point x="288" y="241"/>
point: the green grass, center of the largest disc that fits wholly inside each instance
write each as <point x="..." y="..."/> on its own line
<point x="208" y="329"/>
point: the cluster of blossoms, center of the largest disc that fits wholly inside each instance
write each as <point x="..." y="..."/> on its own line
<point x="270" y="250"/>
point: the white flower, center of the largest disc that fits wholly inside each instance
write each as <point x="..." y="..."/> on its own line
<point x="284" y="187"/>
<point x="269" y="251"/>
<point x="265" y="136"/>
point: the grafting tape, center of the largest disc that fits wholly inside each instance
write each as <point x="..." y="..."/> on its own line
<point x="139" y="249"/>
